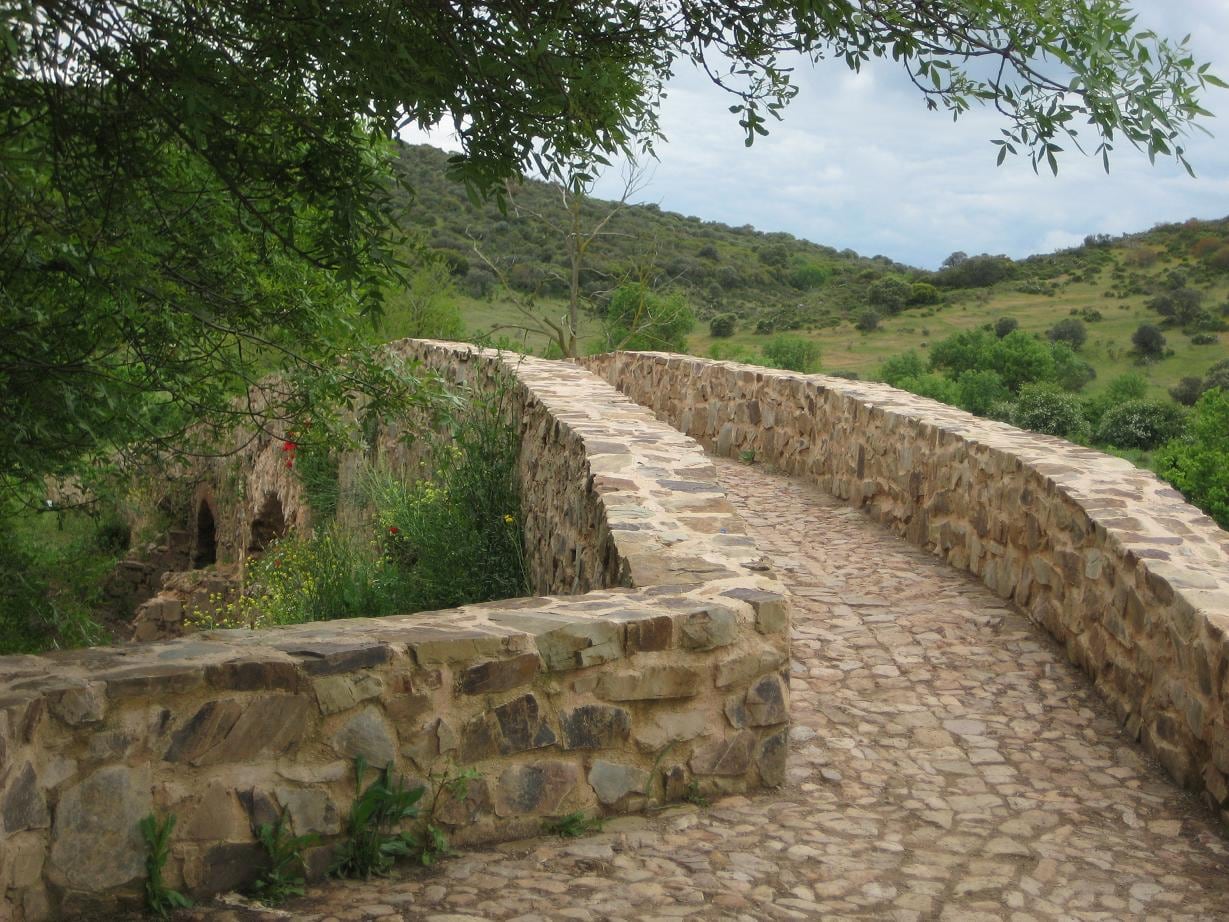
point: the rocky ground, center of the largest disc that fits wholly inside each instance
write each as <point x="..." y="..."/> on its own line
<point x="946" y="763"/>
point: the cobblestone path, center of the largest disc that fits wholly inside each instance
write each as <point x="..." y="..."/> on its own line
<point x="947" y="763"/>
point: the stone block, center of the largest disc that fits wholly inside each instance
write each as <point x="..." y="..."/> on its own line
<point x="86" y="704"/>
<point x="498" y="675"/>
<point x="650" y="683"/>
<point x="338" y="693"/>
<point x="517" y="726"/>
<point x="310" y="810"/>
<point x="740" y="668"/>
<point x="713" y="627"/>
<point x="612" y="781"/>
<point x="659" y="731"/>
<point x="580" y="644"/>
<point x="23" y="805"/>
<point x="727" y="756"/>
<point x="535" y="789"/>
<point x="235" y="730"/>
<point x="771" y="608"/>
<point x="95" y="842"/>
<point x="595" y="726"/>
<point x="367" y="734"/>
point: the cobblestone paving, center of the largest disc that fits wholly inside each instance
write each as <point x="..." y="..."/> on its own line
<point x="947" y="763"/>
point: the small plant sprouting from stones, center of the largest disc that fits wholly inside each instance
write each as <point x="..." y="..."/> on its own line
<point x="693" y="795"/>
<point x="747" y="457"/>
<point x="373" y="842"/>
<point x="431" y="844"/>
<point x="572" y="826"/>
<point x="160" y="899"/>
<point x="287" y="871"/>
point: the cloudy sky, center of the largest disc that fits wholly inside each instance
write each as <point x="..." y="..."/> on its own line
<point x="859" y="162"/>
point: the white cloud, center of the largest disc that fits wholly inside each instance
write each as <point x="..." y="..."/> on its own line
<point x="859" y="162"/>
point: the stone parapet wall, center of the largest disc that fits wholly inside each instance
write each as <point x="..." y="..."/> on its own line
<point x="1131" y="579"/>
<point x="672" y="672"/>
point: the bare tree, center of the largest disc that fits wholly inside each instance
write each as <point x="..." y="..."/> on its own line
<point x="578" y="229"/>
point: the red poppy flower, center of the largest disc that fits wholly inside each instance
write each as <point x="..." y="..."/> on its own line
<point x="393" y="529"/>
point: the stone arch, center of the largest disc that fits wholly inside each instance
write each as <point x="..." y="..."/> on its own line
<point x="269" y="523"/>
<point x="205" y="543"/>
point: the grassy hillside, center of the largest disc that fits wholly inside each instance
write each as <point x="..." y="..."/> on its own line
<point x="773" y="282"/>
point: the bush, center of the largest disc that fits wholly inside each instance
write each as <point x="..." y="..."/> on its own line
<point x="978" y="391"/>
<point x="793" y="353"/>
<point x="889" y="293"/>
<point x="923" y="293"/>
<point x="1197" y="462"/>
<point x="1187" y="391"/>
<point x="1071" y="372"/>
<point x="868" y="321"/>
<point x="1217" y="376"/>
<point x="722" y="325"/>
<point x="451" y="539"/>
<point x="1180" y="306"/>
<point x="1149" y="341"/>
<point x="52" y="569"/>
<point x="1140" y="424"/>
<point x="1070" y="331"/>
<point x="1043" y="409"/>
<point x="764" y="326"/>
<point x="1005" y="325"/>
<point x="641" y="319"/>
<point x="808" y="276"/>
<point x="934" y="386"/>
<point x="1204" y="339"/>
<point x="899" y="367"/>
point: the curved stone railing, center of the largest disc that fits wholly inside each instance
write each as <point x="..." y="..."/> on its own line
<point x="601" y="702"/>
<point x="1132" y="580"/>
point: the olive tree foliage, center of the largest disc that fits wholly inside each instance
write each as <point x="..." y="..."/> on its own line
<point x="194" y="193"/>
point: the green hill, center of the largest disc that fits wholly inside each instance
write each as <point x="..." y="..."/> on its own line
<point x="773" y="282"/>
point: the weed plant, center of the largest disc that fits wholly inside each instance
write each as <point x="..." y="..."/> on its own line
<point x="374" y="839"/>
<point x="160" y="899"/>
<point x="286" y="875"/>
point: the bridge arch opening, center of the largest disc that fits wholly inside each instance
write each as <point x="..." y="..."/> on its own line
<point x="269" y="523"/>
<point x="205" y="549"/>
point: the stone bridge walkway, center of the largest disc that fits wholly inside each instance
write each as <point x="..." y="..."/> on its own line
<point x="947" y="763"/>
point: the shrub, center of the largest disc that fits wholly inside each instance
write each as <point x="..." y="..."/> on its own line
<point x="868" y="321"/>
<point x="1204" y="339"/>
<point x="708" y="251"/>
<point x="1092" y="315"/>
<point x="793" y="353"/>
<point x="1140" y="424"/>
<point x="1149" y="341"/>
<point x="1070" y="331"/>
<point x="808" y="276"/>
<point x="1180" y="306"/>
<point x="1187" y="391"/>
<point x="1044" y="409"/>
<point x="978" y="391"/>
<point x="639" y="318"/>
<point x="1196" y="463"/>
<point x="889" y="293"/>
<point x="899" y="367"/>
<point x="1217" y="376"/>
<point x="440" y="542"/>
<point x="1022" y="359"/>
<point x="722" y="325"/>
<point x="934" y="386"/>
<point x="923" y="293"/>
<point x="1005" y="325"/>
<point x="1071" y="372"/>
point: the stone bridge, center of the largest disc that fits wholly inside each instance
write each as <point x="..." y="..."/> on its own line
<point x="944" y="761"/>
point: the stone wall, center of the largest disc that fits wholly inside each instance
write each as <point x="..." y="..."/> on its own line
<point x="672" y="671"/>
<point x="1132" y="580"/>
